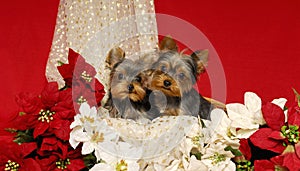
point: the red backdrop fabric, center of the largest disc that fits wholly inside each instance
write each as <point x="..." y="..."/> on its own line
<point x="257" y="42"/>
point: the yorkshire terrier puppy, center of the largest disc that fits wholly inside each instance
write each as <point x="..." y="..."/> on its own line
<point x="127" y="97"/>
<point x="174" y="75"/>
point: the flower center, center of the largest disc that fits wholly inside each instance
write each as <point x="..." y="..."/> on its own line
<point x="87" y="119"/>
<point x="291" y="132"/>
<point x="97" y="137"/>
<point x="46" y="115"/>
<point x="216" y="158"/>
<point x="86" y="76"/>
<point x="229" y="133"/>
<point x="244" y="165"/>
<point x="196" y="139"/>
<point x="81" y="100"/>
<point x="62" y="164"/>
<point x="122" y="166"/>
<point x="12" y="166"/>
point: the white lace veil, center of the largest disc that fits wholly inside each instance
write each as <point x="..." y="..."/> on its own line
<point x="93" y="27"/>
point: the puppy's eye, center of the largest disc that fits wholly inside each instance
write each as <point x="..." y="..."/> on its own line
<point x="181" y="76"/>
<point x="163" y="68"/>
<point x="138" y="79"/>
<point x="120" y="76"/>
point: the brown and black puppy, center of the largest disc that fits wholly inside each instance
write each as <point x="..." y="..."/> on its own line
<point x="174" y="74"/>
<point x="127" y="97"/>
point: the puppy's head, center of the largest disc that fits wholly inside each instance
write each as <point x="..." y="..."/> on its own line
<point x="176" y="73"/>
<point x="124" y="79"/>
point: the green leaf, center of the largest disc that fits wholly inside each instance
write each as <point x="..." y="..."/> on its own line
<point x="198" y="155"/>
<point x="297" y="96"/>
<point x="90" y="160"/>
<point x="235" y="152"/>
<point x="60" y="63"/>
<point x="24" y="136"/>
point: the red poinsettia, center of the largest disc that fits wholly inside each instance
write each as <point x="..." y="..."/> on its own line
<point x="16" y="157"/>
<point x="80" y="76"/>
<point x="66" y="159"/>
<point x="82" y="93"/>
<point x="280" y="136"/>
<point x="77" y="70"/>
<point x="50" y="113"/>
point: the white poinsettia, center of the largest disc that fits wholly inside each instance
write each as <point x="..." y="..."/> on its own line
<point x="221" y="129"/>
<point x="91" y="131"/>
<point x="180" y="158"/>
<point x="120" y="165"/>
<point x="216" y="158"/>
<point x="86" y="117"/>
<point x="247" y="117"/>
<point x="96" y="136"/>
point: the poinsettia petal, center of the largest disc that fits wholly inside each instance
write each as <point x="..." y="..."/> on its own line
<point x="245" y="133"/>
<point x="66" y="71"/>
<point x="61" y="128"/>
<point x="72" y="57"/>
<point x="79" y="135"/>
<point x="31" y="164"/>
<point x="28" y="102"/>
<point x="50" y="94"/>
<point x="277" y="160"/>
<point x="277" y="135"/>
<point x="87" y="148"/>
<point x="27" y="148"/>
<point x="279" y="102"/>
<point x="294" y="115"/>
<point x="48" y="144"/>
<point x="252" y="102"/>
<point x="263" y="165"/>
<point x="239" y="115"/>
<point x="245" y="148"/>
<point x="297" y="149"/>
<point x="76" y="122"/>
<point x="273" y="116"/>
<point x="84" y="109"/>
<point x="261" y="139"/>
<point x="291" y="161"/>
<point x="76" y="164"/>
<point x="40" y="129"/>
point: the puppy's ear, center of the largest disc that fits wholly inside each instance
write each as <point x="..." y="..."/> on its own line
<point x="200" y="58"/>
<point x="168" y="43"/>
<point x="115" y="55"/>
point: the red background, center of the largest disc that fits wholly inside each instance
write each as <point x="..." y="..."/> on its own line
<point x="257" y="41"/>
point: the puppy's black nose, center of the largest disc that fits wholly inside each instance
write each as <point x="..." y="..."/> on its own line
<point x="167" y="83"/>
<point x="130" y="87"/>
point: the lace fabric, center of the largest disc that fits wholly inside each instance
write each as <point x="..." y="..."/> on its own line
<point x="93" y="27"/>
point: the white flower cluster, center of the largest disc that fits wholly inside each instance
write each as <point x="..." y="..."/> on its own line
<point x="182" y="143"/>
